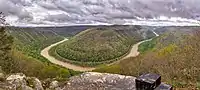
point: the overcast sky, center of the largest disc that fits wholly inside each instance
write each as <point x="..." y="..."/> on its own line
<point x="94" y="11"/>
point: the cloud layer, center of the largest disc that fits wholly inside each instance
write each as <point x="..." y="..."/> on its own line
<point x="69" y="12"/>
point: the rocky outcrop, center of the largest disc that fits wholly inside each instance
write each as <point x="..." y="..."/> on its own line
<point x="20" y="82"/>
<point x="55" y="86"/>
<point x="100" y="81"/>
<point x="85" y="81"/>
<point x="17" y="80"/>
<point x="14" y="82"/>
<point x="35" y="83"/>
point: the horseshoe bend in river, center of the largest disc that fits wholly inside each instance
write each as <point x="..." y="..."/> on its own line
<point x="45" y="53"/>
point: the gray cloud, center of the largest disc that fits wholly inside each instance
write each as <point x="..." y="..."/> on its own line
<point x="48" y="5"/>
<point x="95" y="11"/>
<point x="12" y="8"/>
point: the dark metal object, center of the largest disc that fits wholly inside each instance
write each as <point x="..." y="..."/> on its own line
<point x="163" y="86"/>
<point x="148" y="82"/>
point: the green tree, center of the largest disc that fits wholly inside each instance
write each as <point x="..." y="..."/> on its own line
<point x="5" y="47"/>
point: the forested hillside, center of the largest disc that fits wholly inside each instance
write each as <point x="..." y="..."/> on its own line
<point x="31" y="40"/>
<point x="26" y="47"/>
<point x="28" y="43"/>
<point x="174" y="55"/>
<point x="100" y="45"/>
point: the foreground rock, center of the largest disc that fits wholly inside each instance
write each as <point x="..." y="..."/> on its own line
<point x="100" y="81"/>
<point x="35" y="83"/>
<point x="54" y="85"/>
<point x="17" y="80"/>
<point x="20" y="82"/>
<point x="85" y="81"/>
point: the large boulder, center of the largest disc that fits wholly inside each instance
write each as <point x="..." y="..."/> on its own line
<point x="100" y="81"/>
<point x="35" y="83"/>
<point x="22" y="82"/>
<point x="54" y="85"/>
<point x="6" y="86"/>
<point x="24" y="87"/>
<point x="17" y="80"/>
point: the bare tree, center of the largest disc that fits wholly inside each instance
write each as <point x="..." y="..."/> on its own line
<point x="2" y="19"/>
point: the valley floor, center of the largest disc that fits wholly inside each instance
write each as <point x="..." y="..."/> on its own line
<point x="45" y="52"/>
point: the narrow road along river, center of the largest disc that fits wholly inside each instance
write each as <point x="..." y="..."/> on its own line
<point x="45" y="53"/>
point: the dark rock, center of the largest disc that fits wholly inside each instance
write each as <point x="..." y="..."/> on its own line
<point x="163" y="86"/>
<point x="148" y="81"/>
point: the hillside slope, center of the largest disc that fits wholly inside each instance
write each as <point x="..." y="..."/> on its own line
<point x="28" y="43"/>
<point x="174" y="55"/>
<point x="100" y="45"/>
